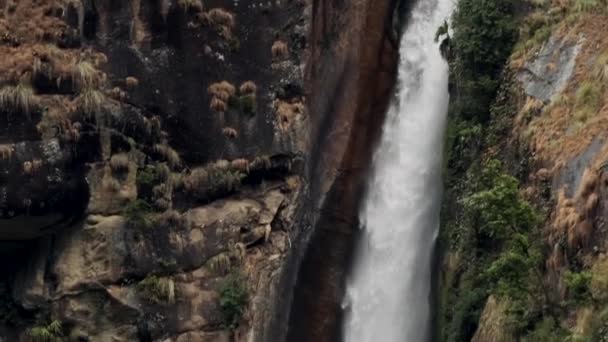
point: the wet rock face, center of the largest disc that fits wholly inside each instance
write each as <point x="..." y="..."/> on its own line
<point x="40" y="189"/>
<point x="548" y="74"/>
<point x="169" y="147"/>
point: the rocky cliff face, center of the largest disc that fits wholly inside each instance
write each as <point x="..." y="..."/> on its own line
<point x="523" y="236"/>
<point x="161" y="162"/>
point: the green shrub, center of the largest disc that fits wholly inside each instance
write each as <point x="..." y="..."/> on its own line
<point x="53" y="332"/>
<point x="577" y="284"/>
<point x="588" y="100"/>
<point x="484" y="34"/>
<point x="499" y="210"/>
<point x="137" y="214"/>
<point x="546" y="330"/>
<point x="233" y="300"/>
<point x="157" y="290"/>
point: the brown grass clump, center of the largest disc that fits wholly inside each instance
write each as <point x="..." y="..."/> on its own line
<point x="218" y="105"/>
<point x="91" y="101"/>
<point x="18" y="99"/>
<point x="31" y="167"/>
<point x="286" y="112"/>
<point x="260" y="163"/>
<point x="6" y="151"/>
<point x="223" y="95"/>
<point x="240" y="164"/>
<point x="219" y="87"/>
<point x="543" y="175"/>
<point x="591" y="204"/>
<point x="168" y="154"/>
<point x="588" y="183"/>
<point x="230" y="133"/>
<point x="196" y="179"/>
<point x="27" y="168"/>
<point x="131" y="82"/>
<point x="279" y="50"/>
<point x="120" y="162"/>
<point x="220" y="16"/>
<point x="248" y="87"/>
<point x="85" y="75"/>
<point x="191" y="5"/>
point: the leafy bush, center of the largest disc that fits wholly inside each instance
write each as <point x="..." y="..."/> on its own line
<point x="499" y="210"/>
<point x="578" y="286"/>
<point x="53" y="332"/>
<point x="137" y="213"/>
<point x="233" y="300"/>
<point x="484" y="34"/>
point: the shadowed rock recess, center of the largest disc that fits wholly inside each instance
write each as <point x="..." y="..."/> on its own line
<point x="166" y="166"/>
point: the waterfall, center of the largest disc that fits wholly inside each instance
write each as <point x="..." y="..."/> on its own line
<point x="388" y="293"/>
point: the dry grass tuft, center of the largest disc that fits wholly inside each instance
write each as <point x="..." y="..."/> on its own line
<point x="18" y="99"/>
<point x="248" y="87"/>
<point x="120" y="162"/>
<point x="168" y="154"/>
<point x="220" y="87"/>
<point x="191" y="5"/>
<point x="230" y="133"/>
<point x="196" y="179"/>
<point x="218" y="105"/>
<point x="287" y="112"/>
<point x="240" y="164"/>
<point x="591" y="204"/>
<point x="86" y="76"/>
<point x="588" y="183"/>
<point x="221" y="17"/>
<point x="91" y="101"/>
<point x="131" y="82"/>
<point x="279" y="50"/>
<point x="6" y="151"/>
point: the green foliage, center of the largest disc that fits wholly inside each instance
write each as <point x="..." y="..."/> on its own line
<point x="484" y="34"/>
<point x="157" y="290"/>
<point x="53" y="332"/>
<point x="137" y="213"/>
<point x="499" y="210"/>
<point x="233" y="300"/>
<point x="588" y="6"/>
<point x="443" y="30"/>
<point x="246" y="104"/>
<point x="546" y="330"/>
<point x="578" y="286"/>
<point x="588" y="100"/>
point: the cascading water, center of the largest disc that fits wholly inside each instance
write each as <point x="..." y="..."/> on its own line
<point x="388" y="294"/>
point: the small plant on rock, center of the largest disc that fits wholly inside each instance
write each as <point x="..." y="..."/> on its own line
<point x="18" y="99"/>
<point x="137" y="214"/>
<point x="279" y="50"/>
<point x="157" y="290"/>
<point x="120" y="162"/>
<point x="233" y="300"/>
<point x="193" y="5"/>
<point x="53" y="332"/>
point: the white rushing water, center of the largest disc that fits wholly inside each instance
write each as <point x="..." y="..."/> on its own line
<point x="388" y="293"/>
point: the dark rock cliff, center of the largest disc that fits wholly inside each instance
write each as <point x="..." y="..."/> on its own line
<point x="150" y="151"/>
